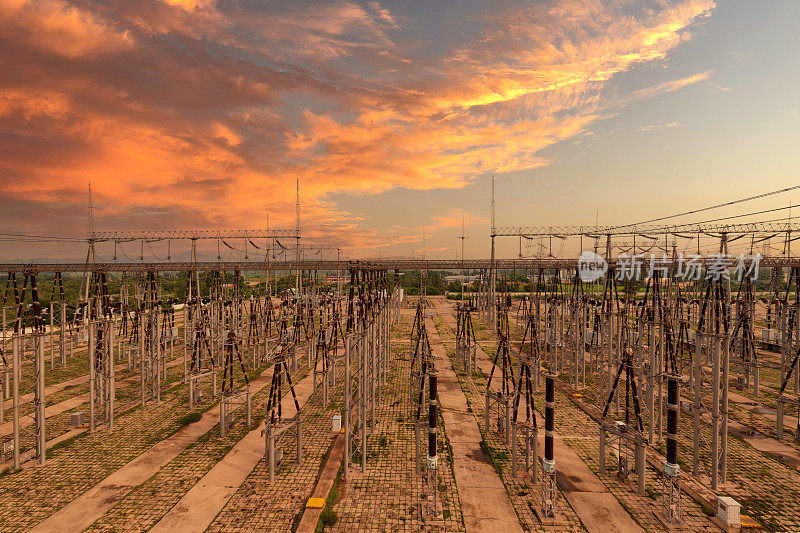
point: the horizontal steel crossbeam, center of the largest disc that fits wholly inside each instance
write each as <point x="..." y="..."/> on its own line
<point x="159" y="235"/>
<point x="758" y="228"/>
<point x="333" y="265"/>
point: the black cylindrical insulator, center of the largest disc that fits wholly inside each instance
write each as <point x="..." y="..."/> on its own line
<point x="672" y="420"/>
<point x="548" y="448"/>
<point x="672" y="451"/>
<point x="672" y="423"/>
<point x="549" y="417"/>
<point x="432" y="415"/>
<point x="672" y="405"/>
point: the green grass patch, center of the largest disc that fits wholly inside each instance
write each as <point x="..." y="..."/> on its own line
<point x="497" y="458"/>
<point x="189" y="418"/>
<point x="328" y="518"/>
<point x="64" y="443"/>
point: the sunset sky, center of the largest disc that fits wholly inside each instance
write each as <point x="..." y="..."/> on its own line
<point x="393" y="115"/>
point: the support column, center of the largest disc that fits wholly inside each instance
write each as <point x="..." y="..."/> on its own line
<point x="671" y="493"/>
<point x="641" y="467"/>
<point x="40" y="397"/>
<point x="433" y="459"/>
<point x="723" y="461"/>
<point x="299" y="439"/>
<point x="347" y="391"/>
<point x="364" y="391"/>
<point x="15" y="370"/>
<point x="92" y="373"/>
<point x="715" y="413"/>
<point x="651" y="383"/>
<point x="698" y="388"/>
<point x="492" y="287"/>
<point x="63" y="335"/>
<point x="112" y="378"/>
<point x="549" y="491"/>
<point x="601" y="460"/>
<point x="141" y="318"/>
<point x="50" y="335"/>
<point x="270" y="452"/>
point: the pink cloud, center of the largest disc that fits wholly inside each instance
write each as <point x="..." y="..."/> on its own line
<point x="210" y="110"/>
<point x="58" y="28"/>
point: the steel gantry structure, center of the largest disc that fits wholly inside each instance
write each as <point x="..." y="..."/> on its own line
<point x="331" y="265"/>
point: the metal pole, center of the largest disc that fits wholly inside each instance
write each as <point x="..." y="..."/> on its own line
<point x="62" y="334"/>
<point x="433" y="458"/>
<point x="140" y="326"/>
<point x="158" y="355"/>
<point x="347" y="392"/>
<point x="112" y="383"/>
<point x="16" y="364"/>
<point x="299" y="439"/>
<point x="50" y="336"/>
<point x="222" y="416"/>
<point x="364" y="390"/>
<point x="651" y="382"/>
<point x="715" y="426"/>
<point x="40" y="435"/>
<point x="271" y="452"/>
<point x="92" y="385"/>
<point x="723" y="461"/>
<point x="698" y="377"/>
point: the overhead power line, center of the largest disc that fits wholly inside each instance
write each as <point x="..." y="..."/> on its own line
<point x="28" y="236"/>
<point x="725" y="204"/>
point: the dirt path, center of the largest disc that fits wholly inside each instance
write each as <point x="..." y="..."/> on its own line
<point x="484" y="500"/>
<point x="198" y="507"/>
<point x="330" y="469"/>
<point x="81" y="512"/>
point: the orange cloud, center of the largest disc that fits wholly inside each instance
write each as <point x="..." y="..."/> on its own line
<point x="210" y="111"/>
<point x="30" y="104"/>
<point x="674" y="85"/>
<point x="190" y="4"/>
<point x="454" y="219"/>
<point x="57" y="28"/>
<point x="223" y="132"/>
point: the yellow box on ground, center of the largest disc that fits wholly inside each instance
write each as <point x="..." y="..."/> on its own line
<point x="315" y="503"/>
